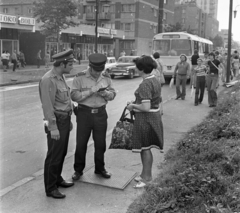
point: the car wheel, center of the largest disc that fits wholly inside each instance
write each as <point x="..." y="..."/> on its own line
<point x="131" y="74"/>
<point x="112" y="76"/>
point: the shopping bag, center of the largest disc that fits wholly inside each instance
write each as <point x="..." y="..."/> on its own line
<point x="171" y="83"/>
<point x="123" y="132"/>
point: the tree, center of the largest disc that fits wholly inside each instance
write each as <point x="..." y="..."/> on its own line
<point x="55" y="15"/>
<point x="218" y="41"/>
<point x="174" y="28"/>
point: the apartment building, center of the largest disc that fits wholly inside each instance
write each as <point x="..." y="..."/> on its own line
<point x="138" y="19"/>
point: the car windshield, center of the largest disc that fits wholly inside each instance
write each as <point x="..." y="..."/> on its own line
<point x="125" y="60"/>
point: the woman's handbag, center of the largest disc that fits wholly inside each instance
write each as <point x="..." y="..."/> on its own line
<point x="123" y="132"/>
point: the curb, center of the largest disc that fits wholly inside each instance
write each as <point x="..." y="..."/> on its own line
<point x="29" y="81"/>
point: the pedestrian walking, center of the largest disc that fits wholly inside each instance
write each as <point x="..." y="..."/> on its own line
<point x="39" y="58"/>
<point x="148" y="127"/>
<point x="194" y="58"/>
<point x="47" y="59"/>
<point x="22" y="58"/>
<point x="212" y="79"/>
<point x="182" y="73"/>
<point x="8" y="58"/>
<point x="235" y="65"/>
<point x="200" y="71"/>
<point x="14" y="60"/>
<point x="57" y="109"/>
<point x="4" y="59"/>
<point x="92" y="89"/>
<point x="79" y="56"/>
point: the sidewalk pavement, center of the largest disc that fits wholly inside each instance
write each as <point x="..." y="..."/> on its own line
<point x="28" y="195"/>
<point x="31" y="73"/>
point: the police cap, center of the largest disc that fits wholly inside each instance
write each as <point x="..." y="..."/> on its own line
<point x="97" y="61"/>
<point x="64" y="56"/>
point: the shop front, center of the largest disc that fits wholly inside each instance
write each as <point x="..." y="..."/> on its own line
<point x="10" y="29"/>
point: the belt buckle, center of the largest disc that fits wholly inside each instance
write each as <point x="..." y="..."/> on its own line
<point x="94" y="110"/>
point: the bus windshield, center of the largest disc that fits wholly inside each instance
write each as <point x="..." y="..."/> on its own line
<point x="173" y="47"/>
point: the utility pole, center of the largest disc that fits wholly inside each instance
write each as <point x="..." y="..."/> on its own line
<point x="160" y="16"/>
<point x="96" y="28"/>
<point x="229" y="41"/>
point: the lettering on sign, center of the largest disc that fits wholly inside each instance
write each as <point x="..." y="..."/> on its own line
<point x="114" y="32"/>
<point x="103" y="30"/>
<point x="26" y="21"/>
<point x="8" y="19"/>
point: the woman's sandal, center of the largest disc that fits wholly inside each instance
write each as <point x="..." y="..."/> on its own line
<point x="140" y="184"/>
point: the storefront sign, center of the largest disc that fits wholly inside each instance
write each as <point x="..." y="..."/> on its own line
<point x="8" y="19"/>
<point x="113" y="32"/>
<point x="103" y="30"/>
<point x="26" y="21"/>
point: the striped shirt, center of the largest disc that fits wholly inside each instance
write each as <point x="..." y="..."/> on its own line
<point x="200" y="70"/>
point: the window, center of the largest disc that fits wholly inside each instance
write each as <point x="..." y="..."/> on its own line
<point x="5" y="10"/>
<point x="164" y="16"/>
<point x="128" y="8"/>
<point x="155" y="29"/>
<point x="112" y="8"/>
<point x="30" y="10"/>
<point x="155" y="12"/>
<point x="16" y="10"/>
<point x="127" y="26"/>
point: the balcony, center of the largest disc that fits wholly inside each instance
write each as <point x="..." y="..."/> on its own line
<point x="104" y="16"/>
<point x="90" y="16"/>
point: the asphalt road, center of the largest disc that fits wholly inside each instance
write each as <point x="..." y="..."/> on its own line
<point x="22" y="139"/>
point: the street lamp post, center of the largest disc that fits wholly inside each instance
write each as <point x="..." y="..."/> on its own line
<point x="235" y="11"/>
<point x="96" y="28"/>
<point x="229" y="41"/>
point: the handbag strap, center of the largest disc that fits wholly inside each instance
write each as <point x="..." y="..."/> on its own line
<point x="214" y="65"/>
<point x="124" y="115"/>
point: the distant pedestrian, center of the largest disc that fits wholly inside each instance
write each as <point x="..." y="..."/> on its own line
<point x="235" y="65"/>
<point x="148" y="127"/>
<point x="57" y="109"/>
<point x="194" y="58"/>
<point x="8" y="58"/>
<point x="182" y="73"/>
<point x="22" y="58"/>
<point x="79" y="56"/>
<point x="39" y="58"/>
<point x="212" y="79"/>
<point x="4" y="59"/>
<point x="200" y="71"/>
<point x="47" y="60"/>
<point x="14" y="60"/>
<point x="122" y="53"/>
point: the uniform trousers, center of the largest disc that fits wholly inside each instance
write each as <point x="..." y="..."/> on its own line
<point x="212" y="81"/>
<point x="181" y="79"/>
<point x="87" y="123"/>
<point x="57" y="150"/>
<point x="200" y="87"/>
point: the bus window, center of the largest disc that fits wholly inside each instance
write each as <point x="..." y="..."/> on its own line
<point x="162" y="46"/>
<point x="181" y="46"/>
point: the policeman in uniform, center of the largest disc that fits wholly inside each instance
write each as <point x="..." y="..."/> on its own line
<point x="57" y="109"/>
<point x="92" y="89"/>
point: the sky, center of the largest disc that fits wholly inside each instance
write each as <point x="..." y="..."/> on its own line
<point x="223" y="17"/>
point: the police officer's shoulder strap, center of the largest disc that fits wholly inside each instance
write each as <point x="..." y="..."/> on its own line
<point x="80" y="74"/>
<point x="106" y="74"/>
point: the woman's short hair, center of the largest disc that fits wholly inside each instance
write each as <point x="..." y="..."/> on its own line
<point x="212" y="54"/>
<point x="145" y="64"/>
<point x="156" y="55"/>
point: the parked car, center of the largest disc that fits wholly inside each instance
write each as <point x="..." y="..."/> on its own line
<point x="111" y="62"/>
<point x="124" y="67"/>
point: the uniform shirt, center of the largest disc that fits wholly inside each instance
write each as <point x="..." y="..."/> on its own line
<point x="213" y="69"/>
<point x="183" y="68"/>
<point x="200" y="70"/>
<point x="55" y="96"/>
<point x="82" y="84"/>
<point x="14" y="56"/>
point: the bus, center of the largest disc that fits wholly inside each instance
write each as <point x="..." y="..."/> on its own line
<point x="171" y="45"/>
